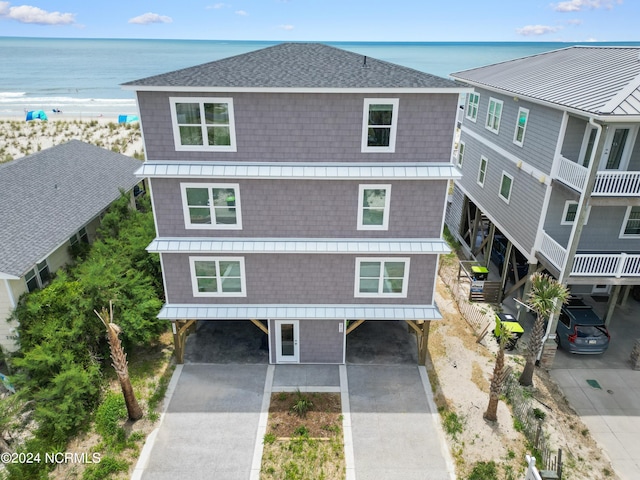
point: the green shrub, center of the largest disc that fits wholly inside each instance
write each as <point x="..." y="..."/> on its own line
<point x="484" y="471"/>
<point x="107" y="467"/>
<point x="109" y="414"/>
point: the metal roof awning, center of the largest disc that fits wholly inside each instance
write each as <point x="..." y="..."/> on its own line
<point x="299" y="312"/>
<point x="297" y="171"/>
<point x="300" y="245"/>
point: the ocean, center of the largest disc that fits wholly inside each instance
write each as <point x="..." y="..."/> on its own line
<point x="82" y="77"/>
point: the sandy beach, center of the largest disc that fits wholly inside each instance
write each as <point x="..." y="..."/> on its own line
<point x="19" y="138"/>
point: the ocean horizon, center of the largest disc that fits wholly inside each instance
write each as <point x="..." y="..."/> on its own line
<point x="82" y="76"/>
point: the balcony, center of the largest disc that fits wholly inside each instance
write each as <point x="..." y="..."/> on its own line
<point x="609" y="183"/>
<point x="592" y="264"/>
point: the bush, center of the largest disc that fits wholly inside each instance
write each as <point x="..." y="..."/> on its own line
<point x="109" y="414"/>
<point x="484" y="471"/>
<point x="107" y="467"/>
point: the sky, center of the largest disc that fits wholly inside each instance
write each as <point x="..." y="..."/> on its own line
<point x="326" y="20"/>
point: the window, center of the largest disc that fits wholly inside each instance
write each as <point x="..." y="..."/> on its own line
<point x="482" y="172"/>
<point x="471" y="112"/>
<point x="380" y="123"/>
<point x="461" y="154"/>
<point x="38" y="277"/>
<point x="81" y="236"/>
<point x="203" y="124"/>
<point x="381" y="277"/>
<point x="570" y="212"/>
<point x="505" y="186"/>
<point x="631" y="223"/>
<point x="373" y="210"/>
<point x="211" y="205"/>
<point x="218" y="277"/>
<point x="521" y="126"/>
<point x="493" y="115"/>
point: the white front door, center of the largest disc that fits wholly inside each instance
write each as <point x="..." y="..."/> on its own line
<point x="287" y="333"/>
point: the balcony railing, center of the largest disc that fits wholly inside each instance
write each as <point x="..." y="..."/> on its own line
<point x="617" y="184"/>
<point x="592" y="264"/>
<point x="572" y="174"/>
<point x="609" y="183"/>
<point x="606" y="265"/>
<point x="551" y="249"/>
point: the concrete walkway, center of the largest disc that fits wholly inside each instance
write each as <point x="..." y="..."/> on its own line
<point x="611" y="412"/>
<point x="217" y="415"/>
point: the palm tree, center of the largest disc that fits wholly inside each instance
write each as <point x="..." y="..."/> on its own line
<point x="497" y="379"/>
<point x="120" y="363"/>
<point x="545" y="296"/>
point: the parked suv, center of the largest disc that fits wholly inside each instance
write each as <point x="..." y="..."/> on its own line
<point x="580" y="330"/>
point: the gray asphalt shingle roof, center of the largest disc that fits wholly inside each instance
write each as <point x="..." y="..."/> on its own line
<point x="596" y="80"/>
<point x="297" y="65"/>
<point x="48" y="196"/>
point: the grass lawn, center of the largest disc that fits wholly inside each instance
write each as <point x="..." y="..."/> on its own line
<point x="304" y="437"/>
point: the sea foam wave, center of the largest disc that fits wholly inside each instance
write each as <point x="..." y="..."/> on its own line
<point x="11" y="95"/>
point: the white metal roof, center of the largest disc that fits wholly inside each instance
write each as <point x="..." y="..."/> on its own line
<point x="299" y="312"/>
<point x="299" y="245"/>
<point x="596" y="80"/>
<point x="288" y="170"/>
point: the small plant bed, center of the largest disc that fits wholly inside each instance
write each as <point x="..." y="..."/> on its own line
<point x="304" y="437"/>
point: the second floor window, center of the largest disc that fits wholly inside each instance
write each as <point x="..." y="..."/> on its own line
<point x="482" y="171"/>
<point x="631" y="224"/>
<point x="211" y="206"/>
<point x="494" y="113"/>
<point x="203" y="124"/>
<point x="521" y="126"/>
<point x="38" y="277"/>
<point x="382" y="277"/>
<point x="461" y="154"/>
<point x="379" y="124"/>
<point x="221" y="276"/>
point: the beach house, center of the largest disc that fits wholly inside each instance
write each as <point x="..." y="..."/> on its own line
<point x="299" y="187"/>
<point x="550" y="156"/>
<point x="50" y="202"/>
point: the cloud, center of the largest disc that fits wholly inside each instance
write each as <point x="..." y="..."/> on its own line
<point x="149" y="17"/>
<point x="574" y="21"/>
<point x="216" y="6"/>
<point x="242" y="13"/>
<point x="29" y="14"/>
<point x="578" y="5"/>
<point x="536" y="30"/>
<point x="285" y="27"/>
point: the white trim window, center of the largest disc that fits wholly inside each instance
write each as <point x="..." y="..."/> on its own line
<point x="461" y="148"/>
<point x="521" y="126"/>
<point x="203" y="124"/>
<point x="81" y="236"/>
<point x="38" y="277"/>
<point x="211" y="206"/>
<point x="631" y="224"/>
<point x="380" y="122"/>
<point x="218" y="276"/>
<point x="570" y="211"/>
<point x="373" y="207"/>
<point x="473" y="100"/>
<point x="506" y="184"/>
<point x="482" y="171"/>
<point x="381" y="277"/>
<point x="494" y="113"/>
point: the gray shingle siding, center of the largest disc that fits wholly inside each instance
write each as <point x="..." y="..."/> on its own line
<point x="321" y="341"/>
<point x="298" y="127"/>
<point x="541" y="133"/>
<point x="299" y="279"/>
<point x="308" y="208"/>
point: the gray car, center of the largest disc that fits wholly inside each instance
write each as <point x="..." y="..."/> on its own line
<point x="580" y="330"/>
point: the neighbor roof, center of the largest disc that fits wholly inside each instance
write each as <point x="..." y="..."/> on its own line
<point x="296" y="65"/>
<point x="595" y="80"/>
<point x="50" y="195"/>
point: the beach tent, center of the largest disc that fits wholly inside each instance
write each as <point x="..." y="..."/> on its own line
<point x="127" y="118"/>
<point x="36" y="114"/>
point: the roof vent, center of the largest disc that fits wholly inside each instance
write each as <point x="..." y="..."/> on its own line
<point x="364" y="63"/>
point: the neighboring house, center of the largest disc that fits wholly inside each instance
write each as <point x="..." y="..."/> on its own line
<point x="50" y="201"/>
<point x="300" y="187"/>
<point x="550" y="158"/>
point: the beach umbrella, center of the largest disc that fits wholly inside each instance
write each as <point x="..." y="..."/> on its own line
<point x="36" y="115"/>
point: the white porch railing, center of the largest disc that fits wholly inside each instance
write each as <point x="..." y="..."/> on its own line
<point x="620" y="184"/>
<point x="551" y="249"/>
<point x="606" y="265"/>
<point x="571" y="173"/>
